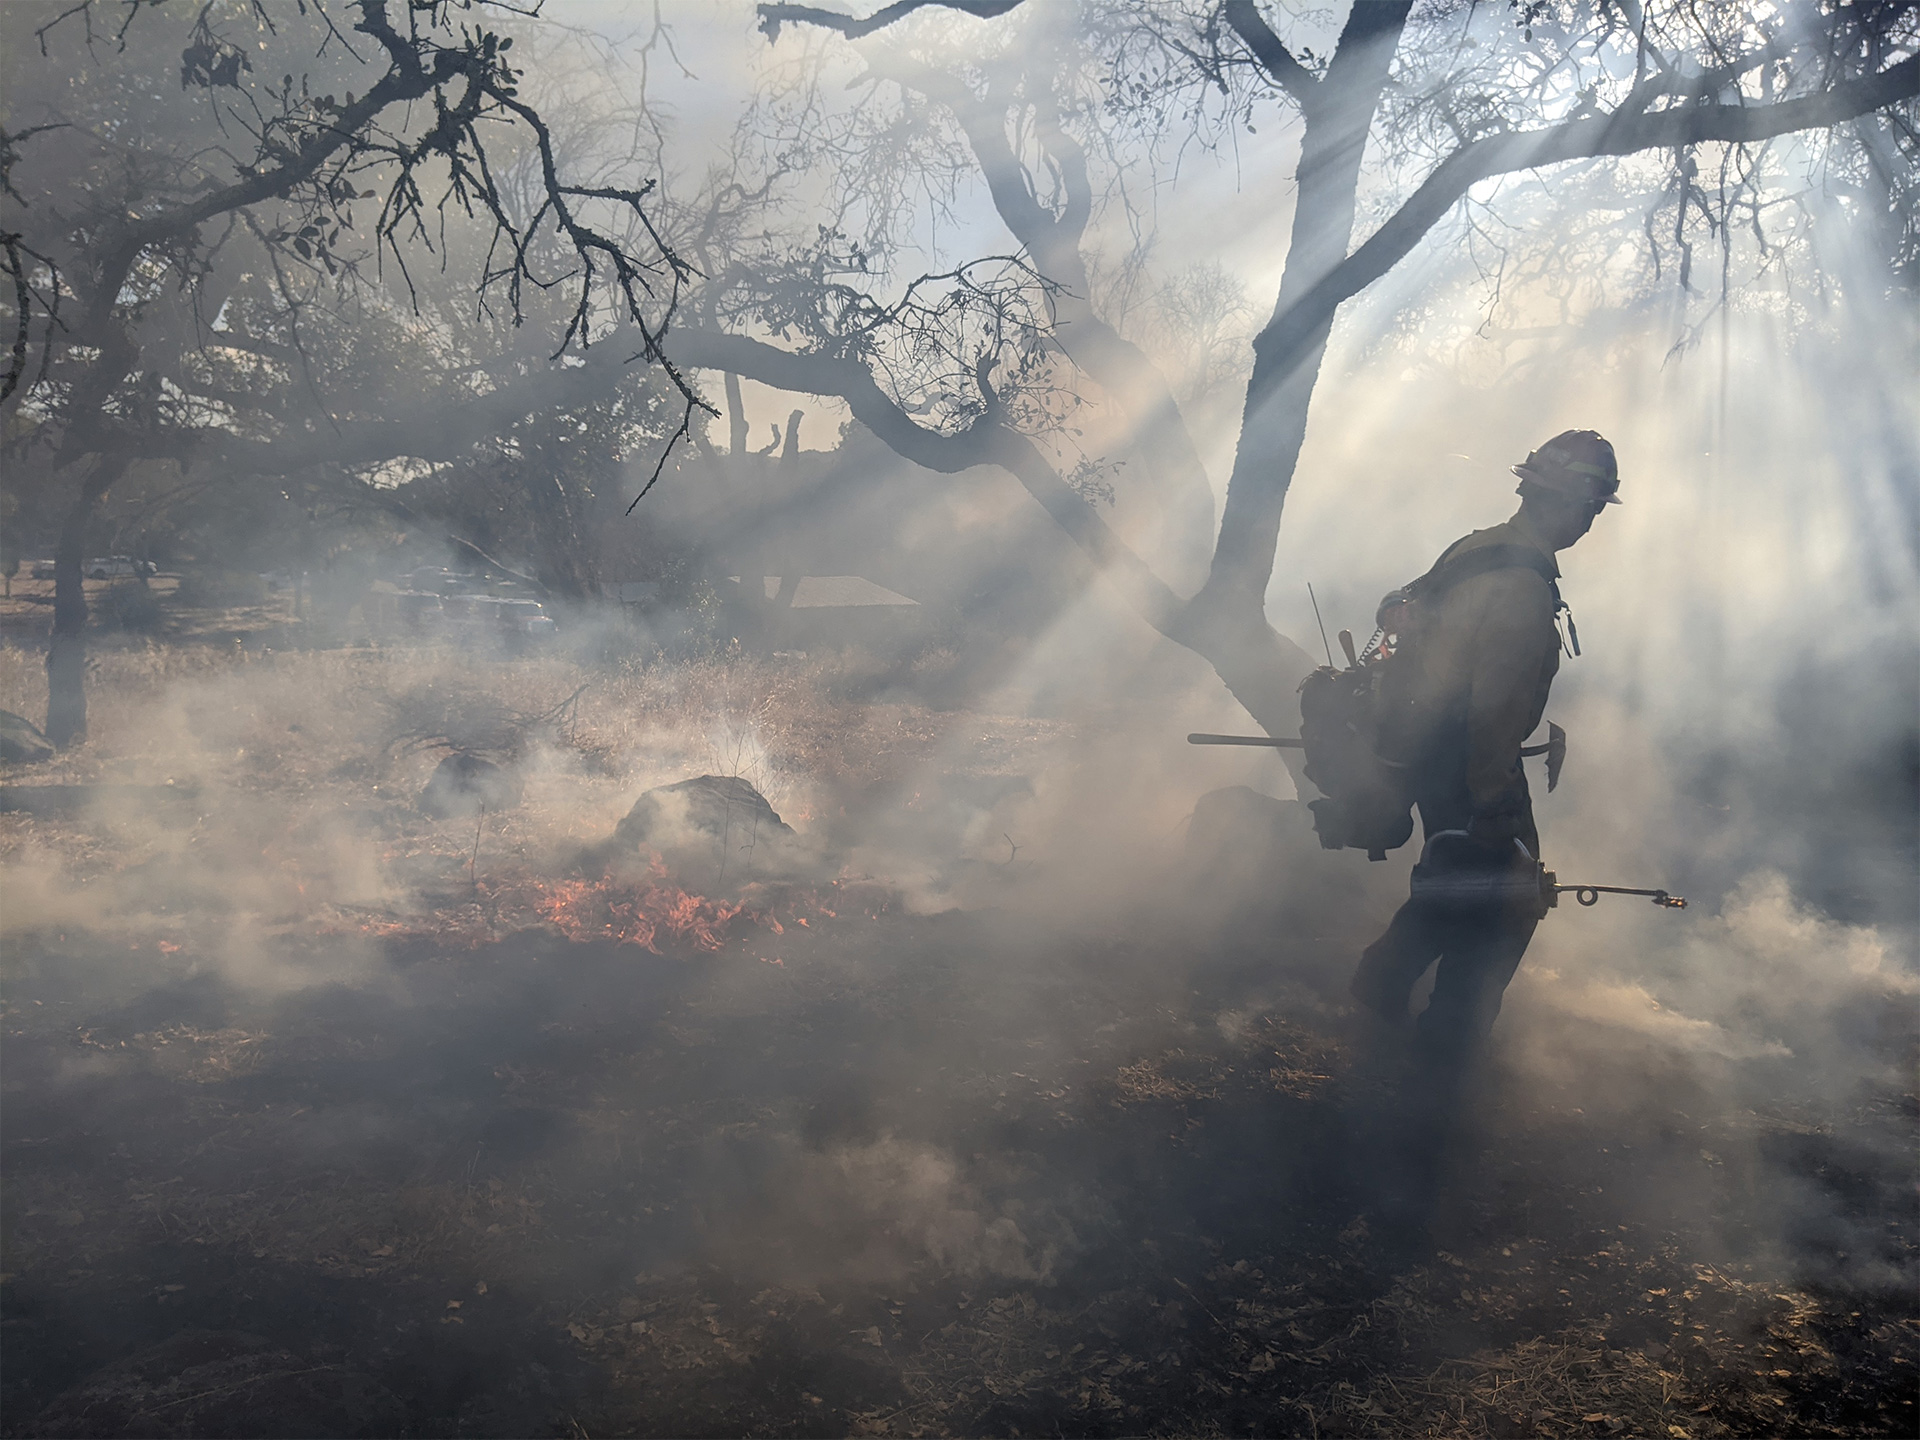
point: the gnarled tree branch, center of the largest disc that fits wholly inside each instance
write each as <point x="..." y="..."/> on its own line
<point x="1293" y="330"/>
<point x="1259" y="665"/>
<point x="772" y="17"/>
<point x="985" y="442"/>
<point x="1246" y="21"/>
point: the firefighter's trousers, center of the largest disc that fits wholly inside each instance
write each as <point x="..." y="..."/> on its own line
<point x="1478" y="956"/>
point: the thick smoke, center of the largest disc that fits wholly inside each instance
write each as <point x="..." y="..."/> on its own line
<point x="1741" y="731"/>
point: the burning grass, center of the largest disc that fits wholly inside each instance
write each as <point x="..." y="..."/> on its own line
<point x="297" y="789"/>
<point x="642" y="914"/>
<point x="652" y="913"/>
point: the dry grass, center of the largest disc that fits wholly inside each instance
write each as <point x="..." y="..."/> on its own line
<point x="292" y="719"/>
<point x="1724" y="1379"/>
<point x="302" y="768"/>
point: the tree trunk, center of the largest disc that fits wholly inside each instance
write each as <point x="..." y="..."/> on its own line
<point x="736" y="415"/>
<point x="67" y="649"/>
<point x="1274" y="426"/>
<point x="1226" y="622"/>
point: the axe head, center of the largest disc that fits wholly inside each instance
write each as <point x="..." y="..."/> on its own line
<point x="1556" y="754"/>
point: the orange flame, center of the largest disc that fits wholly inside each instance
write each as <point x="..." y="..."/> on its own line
<point x="652" y="912"/>
<point x="639" y="915"/>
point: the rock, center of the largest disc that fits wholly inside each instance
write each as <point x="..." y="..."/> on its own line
<point x="463" y="784"/>
<point x="715" y="809"/>
<point x="717" y="821"/>
<point x="21" y="742"/>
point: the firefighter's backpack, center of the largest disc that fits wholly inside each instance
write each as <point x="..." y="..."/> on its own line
<point x="1367" y="799"/>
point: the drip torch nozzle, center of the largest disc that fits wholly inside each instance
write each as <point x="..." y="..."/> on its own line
<point x="1590" y="894"/>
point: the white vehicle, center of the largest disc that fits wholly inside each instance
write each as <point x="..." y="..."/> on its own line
<point x="114" y="567"/>
<point x="521" y="617"/>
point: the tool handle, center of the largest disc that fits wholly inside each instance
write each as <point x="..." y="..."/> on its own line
<point x="1264" y="741"/>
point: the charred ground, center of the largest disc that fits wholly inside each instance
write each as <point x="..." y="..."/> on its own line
<point x="442" y="1163"/>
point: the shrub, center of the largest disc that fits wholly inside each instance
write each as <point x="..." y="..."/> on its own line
<point x="132" y="608"/>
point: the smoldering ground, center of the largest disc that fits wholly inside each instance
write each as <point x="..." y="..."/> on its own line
<point x="1041" y="1110"/>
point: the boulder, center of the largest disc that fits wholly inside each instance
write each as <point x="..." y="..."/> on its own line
<point x="714" y="809"/>
<point x="463" y="785"/>
<point x="711" y="820"/>
<point x="21" y="742"/>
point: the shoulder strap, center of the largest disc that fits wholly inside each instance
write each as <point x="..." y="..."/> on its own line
<point x="1452" y="569"/>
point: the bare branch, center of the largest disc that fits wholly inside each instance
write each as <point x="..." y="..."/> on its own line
<point x="1246" y="21"/>
<point x="1294" y="330"/>
<point x="985" y="442"/>
<point x="772" y="17"/>
<point x="18" y="265"/>
<point x="447" y="433"/>
<point x="666" y="452"/>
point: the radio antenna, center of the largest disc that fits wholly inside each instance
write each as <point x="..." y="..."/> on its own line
<point x="1321" y="623"/>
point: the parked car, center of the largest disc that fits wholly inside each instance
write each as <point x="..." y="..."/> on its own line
<point x="506" y="616"/>
<point x="100" y="567"/>
<point x="115" y="567"/>
<point x="525" y="617"/>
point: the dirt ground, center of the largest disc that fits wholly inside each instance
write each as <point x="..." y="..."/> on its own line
<point x="322" y="1117"/>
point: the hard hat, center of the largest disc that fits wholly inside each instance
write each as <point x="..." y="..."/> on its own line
<point x="1579" y="463"/>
